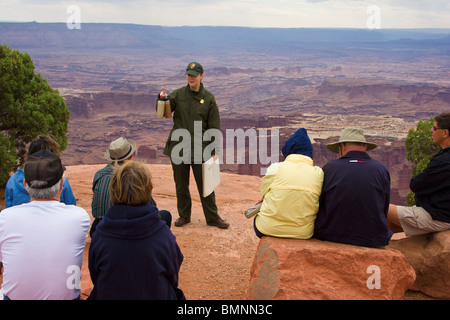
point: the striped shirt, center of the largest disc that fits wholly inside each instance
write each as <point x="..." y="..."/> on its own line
<point x="101" y="200"/>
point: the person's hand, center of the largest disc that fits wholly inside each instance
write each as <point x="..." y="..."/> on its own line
<point x="163" y="93"/>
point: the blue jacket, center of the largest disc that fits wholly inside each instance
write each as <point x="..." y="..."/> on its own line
<point x="133" y="255"/>
<point x="354" y="201"/>
<point x="15" y="192"/>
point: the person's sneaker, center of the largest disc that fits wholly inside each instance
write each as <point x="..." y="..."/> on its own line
<point x="219" y="224"/>
<point x="181" y="221"/>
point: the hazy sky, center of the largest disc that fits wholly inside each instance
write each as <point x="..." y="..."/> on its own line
<point x="248" y="13"/>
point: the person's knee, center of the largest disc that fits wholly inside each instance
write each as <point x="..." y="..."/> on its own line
<point x="392" y="214"/>
<point x="166" y="216"/>
<point x="392" y="219"/>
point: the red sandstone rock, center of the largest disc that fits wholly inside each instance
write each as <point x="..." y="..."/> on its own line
<point x="289" y="269"/>
<point x="429" y="255"/>
<point x="145" y="152"/>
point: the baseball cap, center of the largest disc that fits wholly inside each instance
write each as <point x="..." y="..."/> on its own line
<point x="43" y="169"/>
<point x="194" y="69"/>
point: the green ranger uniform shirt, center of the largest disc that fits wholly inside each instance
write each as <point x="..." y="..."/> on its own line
<point x="193" y="113"/>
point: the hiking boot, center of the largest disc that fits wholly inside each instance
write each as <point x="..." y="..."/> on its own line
<point x="219" y="224"/>
<point x="181" y="221"/>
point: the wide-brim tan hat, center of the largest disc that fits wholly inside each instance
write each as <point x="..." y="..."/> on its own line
<point x="351" y="135"/>
<point x="120" y="149"/>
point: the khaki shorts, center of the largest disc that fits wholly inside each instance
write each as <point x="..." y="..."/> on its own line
<point x="416" y="220"/>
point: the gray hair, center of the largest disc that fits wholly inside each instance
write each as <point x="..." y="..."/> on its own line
<point x="42" y="194"/>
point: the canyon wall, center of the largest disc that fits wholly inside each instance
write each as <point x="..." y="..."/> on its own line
<point x="97" y="118"/>
<point x="383" y="81"/>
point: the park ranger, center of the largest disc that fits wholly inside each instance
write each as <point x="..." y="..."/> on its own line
<point x="192" y="106"/>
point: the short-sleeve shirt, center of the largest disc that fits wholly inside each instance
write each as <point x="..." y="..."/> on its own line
<point x="41" y="248"/>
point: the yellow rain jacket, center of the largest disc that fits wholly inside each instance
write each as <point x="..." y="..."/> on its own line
<point x="291" y="191"/>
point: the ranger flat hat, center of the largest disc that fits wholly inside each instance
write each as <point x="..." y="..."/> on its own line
<point x="351" y="135"/>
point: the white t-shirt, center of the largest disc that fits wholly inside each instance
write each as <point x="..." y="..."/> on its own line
<point x="41" y="248"/>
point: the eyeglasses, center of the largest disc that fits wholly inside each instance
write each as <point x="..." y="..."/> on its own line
<point x="435" y="128"/>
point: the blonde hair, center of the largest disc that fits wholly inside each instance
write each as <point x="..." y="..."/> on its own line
<point x="131" y="184"/>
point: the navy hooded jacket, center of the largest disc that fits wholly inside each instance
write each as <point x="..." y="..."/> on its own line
<point x="133" y="255"/>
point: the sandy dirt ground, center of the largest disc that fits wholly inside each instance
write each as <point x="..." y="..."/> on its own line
<point x="216" y="261"/>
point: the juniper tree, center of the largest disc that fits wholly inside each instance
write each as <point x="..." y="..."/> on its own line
<point x="420" y="149"/>
<point x="29" y="106"/>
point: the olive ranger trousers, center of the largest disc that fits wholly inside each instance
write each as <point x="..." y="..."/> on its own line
<point x="181" y="175"/>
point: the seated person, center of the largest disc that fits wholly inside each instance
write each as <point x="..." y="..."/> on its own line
<point x="291" y="191"/>
<point x="355" y="195"/>
<point x="133" y="254"/>
<point x="119" y="152"/>
<point x="431" y="190"/>
<point x="15" y="192"/>
<point x="42" y="241"/>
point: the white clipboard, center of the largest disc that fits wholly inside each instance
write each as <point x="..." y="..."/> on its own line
<point x="211" y="176"/>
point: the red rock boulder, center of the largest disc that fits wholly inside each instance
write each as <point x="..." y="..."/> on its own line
<point x="429" y="255"/>
<point x="290" y="269"/>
